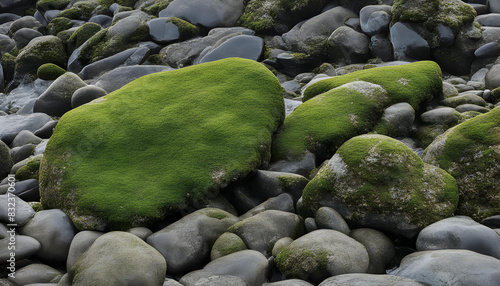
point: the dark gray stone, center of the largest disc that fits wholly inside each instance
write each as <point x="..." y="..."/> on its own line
<point x="283" y="202"/>
<point x="445" y="116"/>
<point x="450" y="267"/>
<point x="141" y="232"/>
<point x="25" y="247"/>
<point x="20" y="153"/>
<point x="26" y="190"/>
<point x="46" y="130"/>
<point x="8" y="17"/>
<point x="492" y="78"/>
<point x="23" y="211"/>
<point x="25" y="137"/>
<point x="408" y="44"/>
<point x="289" y="282"/>
<point x="103" y="20"/>
<point x="186" y="243"/>
<point x="79" y="244"/>
<point x="488" y="50"/>
<point x="310" y="224"/>
<point x="25" y="22"/>
<point x="208" y="13"/>
<point x="375" y="19"/>
<point x="489" y="20"/>
<point x="328" y="218"/>
<point x="119" y="77"/>
<point x="36" y="273"/>
<point x="459" y="232"/>
<point x="6" y="44"/>
<point x="244" y="46"/>
<point x="471" y="107"/>
<point x="446" y="36"/>
<point x="130" y="57"/>
<point x="261" y="231"/>
<point x="359" y="279"/>
<point x="6" y="161"/>
<point x="492" y="221"/>
<point x="86" y="94"/>
<point x="380" y="248"/>
<point x="55" y="231"/>
<point x="24" y="36"/>
<point x="347" y="46"/>
<point x="162" y="31"/>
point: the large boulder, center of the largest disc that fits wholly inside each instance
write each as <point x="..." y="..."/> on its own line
<point x="450" y="267"/>
<point x="348" y="46"/>
<point x="119" y="258"/>
<point x="210" y="14"/>
<point x="377" y="181"/>
<point x="186" y="243"/>
<point x="469" y="152"/>
<point x="278" y="16"/>
<point x="181" y="156"/>
<point x="321" y="254"/>
<point x="329" y="117"/>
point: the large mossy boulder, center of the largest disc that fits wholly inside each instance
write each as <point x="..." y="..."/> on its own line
<point x="342" y="107"/>
<point x="376" y="181"/>
<point x="470" y="152"/>
<point x="161" y="142"/>
<point x="278" y="16"/>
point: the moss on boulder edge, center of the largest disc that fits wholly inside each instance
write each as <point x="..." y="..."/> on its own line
<point x="470" y="152"/>
<point x="376" y="181"/>
<point x="161" y="142"/>
<point x="412" y="83"/>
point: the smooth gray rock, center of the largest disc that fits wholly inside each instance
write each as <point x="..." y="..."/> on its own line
<point x="460" y="232"/>
<point x="328" y="218"/>
<point x="347" y="46"/>
<point x="6" y="160"/>
<point x="321" y="254"/>
<point x="408" y="44"/>
<point x="56" y="100"/>
<point x="55" y="231"/>
<point x="79" y="244"/>
<point x="468" y="98"/>
<point x="25" y="247"/>
<point x="397" y="120"/>
<point x="25" y="137"/>
<point x="261" y="231"/>
<point x="492" y="78"/>
<point x="226" y="244"/>
<point x="119" y="77"/>
<point x="11" y="125"/>
<point x="488" y="50"/>
<point x="244" y="46"/>
<point x="450" y="267"/>
<point x="86" y="94"/>
<point x="20" y="153"/>
<point x="26" y="190"/>
<point x="359" y="279"/>
<point x="209" y="13"/>
<point x="141" y="232"/>
<point x="186" y="243"/>
<point x="103" y="20"/>
<point x="25" y="22"/>
<point x="280" y="244"/>
<point x="46" y="130"/>
<point x="36" y="273"/>
<point x="310" y="36"/>
<point x="185" y="53"/>
<point x="23" y="36"/>
<point x="283" y="202"/>
<point x="444" y="115"/>
<point x="375" y="19"/>
<point x="119" y="258"/>
<point x="162" y="31"/>
<point x="23" y="212"/>
<point x="380" y="248"/>
<point x="492" y="221"/>
<point x="130" y="57"/>
<point x="249" y="265"/>
<point x="449" y="90"/>
<point x="381" y="47"/>
<point x="289" y="282"/>
<point x="6" y="44"/>
<point x="310" y="224"/>
<point x="471" y="107"/>
<point x="489" y="20"/>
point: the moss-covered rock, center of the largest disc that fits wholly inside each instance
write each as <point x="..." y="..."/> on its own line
<point x="45" y="5"/>
<point x="6" y="162"/>
<point x="8" y="64"/>
<point x="186" y="29"/>
<point x="333" y="112"/>
<point x="376" y="181"/>
<point x="30" y="170"/>
<point x="181" y="134"/>
<point x="49" y="71"/>
<point x="58" y="25"/>
<point x="278" y="16"/>
<point x="470" y="152"/>
<point x="123" y="35"/>
<point x="226" y="244"/>
<point x="81" y="10"/>
<point x="82" y="34"/>
<point x="495" y="95"/>
<point x="41" y="50"/>
<point x="429" y="14"/>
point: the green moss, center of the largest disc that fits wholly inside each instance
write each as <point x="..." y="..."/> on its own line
<point x="323" y="123"/>
<point x="111" y="156"/>
<point x="47" y="49"/>
<point x="412" y="83"/>
<point x="155" y="60"/>
<point x="59" y="24"/>
<point x="8" y="64"/>
<point x="85" y="32"/>
<point x="37" y="206"/>
<point x="186" y="29"/>
<point x="495" y="95"/>
<point x="427" y="134"/>
<point x="299" y="265"/>
<point x="218" y="214"/>
<point x="156" y="7"/>
<point x="30" y="170"/>
<point x="50" y="71"/>
<point x="45" y="5"/>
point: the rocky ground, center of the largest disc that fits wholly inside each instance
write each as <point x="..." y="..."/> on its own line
<point x="259" y="142"/>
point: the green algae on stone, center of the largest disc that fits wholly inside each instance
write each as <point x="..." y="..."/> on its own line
<point x="49" y="71"/>
<point x="59" y="24"/>
<point x="412" y="83"/>
<point x="45" y="5"/>
<point x="30" y="170"/>
<point x="323" y="123"/>
<point x="41" y="50"/>
<point x="377" y="181"/>
<point x="161" y="142"/>
<point x="470" y="152"/>
<point x="82" y="34"/>
<point x="186" y="29"/>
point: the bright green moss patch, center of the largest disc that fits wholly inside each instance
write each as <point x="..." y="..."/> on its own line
<point x="325" y="122"/>
<point x="161" y="142"/>
<point x="59" y="24"/>
<point x="186" y="29"/>
<point x="30" y="170"/>
<point x="50" y="71"/>
<point x="412" y="83"/>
